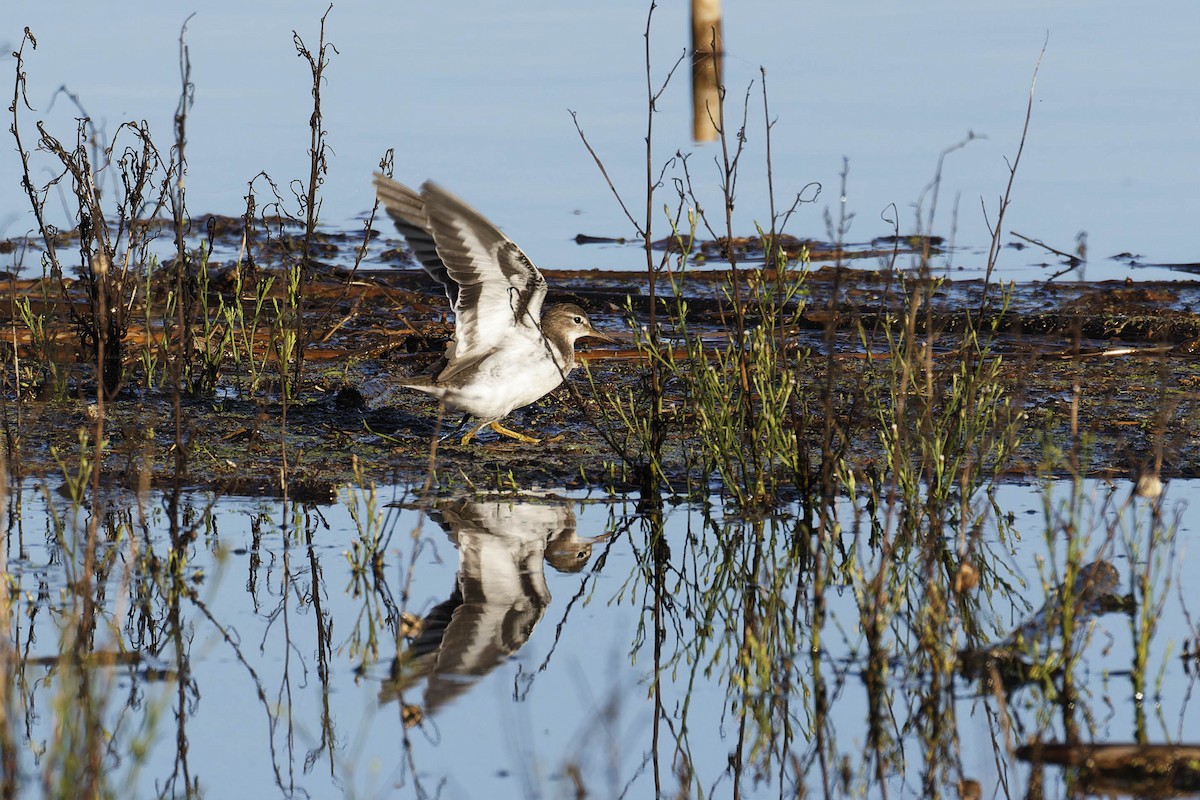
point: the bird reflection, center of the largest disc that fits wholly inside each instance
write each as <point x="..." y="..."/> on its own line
<point x="500" y="593"/>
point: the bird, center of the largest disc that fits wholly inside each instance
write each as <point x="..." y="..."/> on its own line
<point x="506" y="353"/>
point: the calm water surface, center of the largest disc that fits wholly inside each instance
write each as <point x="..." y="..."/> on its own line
<point x="286" y="672"/>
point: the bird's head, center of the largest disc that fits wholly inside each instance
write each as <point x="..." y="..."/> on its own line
<point x="570" y="322"/>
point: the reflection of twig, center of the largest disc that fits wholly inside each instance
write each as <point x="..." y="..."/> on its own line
<point x="258" y="686"/>
<point x="558" y="629"/>
<point x="1063" y="271"/>
<point x="324" y="623"/>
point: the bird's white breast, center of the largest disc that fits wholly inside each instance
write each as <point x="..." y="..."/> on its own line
<point x="518" y="372"/>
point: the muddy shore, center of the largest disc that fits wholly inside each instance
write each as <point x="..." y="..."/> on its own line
<point x="1114" y="364"/>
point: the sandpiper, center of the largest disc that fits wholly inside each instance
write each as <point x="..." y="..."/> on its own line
<point x="506" y="354"/>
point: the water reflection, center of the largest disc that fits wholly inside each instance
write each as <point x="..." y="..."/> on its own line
<point x="708" y="49"/>
<point x="499" y="593"/>
<point x="716" y="655"/>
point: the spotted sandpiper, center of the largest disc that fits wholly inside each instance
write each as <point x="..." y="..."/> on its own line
<point x="506" y="353"/>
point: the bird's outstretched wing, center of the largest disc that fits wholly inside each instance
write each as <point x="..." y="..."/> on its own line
<point x="407" y="210"/>
<point x="493" y="286"/>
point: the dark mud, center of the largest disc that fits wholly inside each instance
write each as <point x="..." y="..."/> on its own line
<point x="1111" y="366"/>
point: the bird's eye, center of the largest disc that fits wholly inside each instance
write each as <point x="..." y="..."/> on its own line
<point x="578" y="320"/>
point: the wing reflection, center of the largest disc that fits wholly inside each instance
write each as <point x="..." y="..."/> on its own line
<point x="499" y="597"/>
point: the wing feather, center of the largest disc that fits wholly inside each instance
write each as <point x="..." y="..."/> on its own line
<point x="407" y="210"/>
<point x="493" y="286"/>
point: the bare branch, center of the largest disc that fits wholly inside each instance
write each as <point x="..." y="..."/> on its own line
<point x="604" y="172"/>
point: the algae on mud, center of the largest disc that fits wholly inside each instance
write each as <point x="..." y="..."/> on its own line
<point x="1059" y="343"/>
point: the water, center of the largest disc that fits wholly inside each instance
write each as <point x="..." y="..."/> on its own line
<point x="477" y="96"/>
<point x="269" y="670"/>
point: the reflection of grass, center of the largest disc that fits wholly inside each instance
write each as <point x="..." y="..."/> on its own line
<point x="74" y="661"/>
<point x="368" y="582"/>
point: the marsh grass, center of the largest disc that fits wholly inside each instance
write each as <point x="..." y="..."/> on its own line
<point x="727" y="422"/>
<point x="739" y="407"/>
<point x="189" y="333"/>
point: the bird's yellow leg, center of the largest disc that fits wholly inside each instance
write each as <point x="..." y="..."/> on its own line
<point x="503" y="431"/>
<point x="471" y="434"/>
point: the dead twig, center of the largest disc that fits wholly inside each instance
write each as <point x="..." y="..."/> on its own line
<point x="1072" y="259"/>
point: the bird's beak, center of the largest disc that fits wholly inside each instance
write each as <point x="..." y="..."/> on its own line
<point x="595" y="334"/>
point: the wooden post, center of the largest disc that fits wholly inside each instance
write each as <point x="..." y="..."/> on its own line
<point x="707" y="49"/>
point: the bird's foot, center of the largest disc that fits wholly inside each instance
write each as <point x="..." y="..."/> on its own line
<point x="500" y="429"/>
<point x="471" y="434"/>
<point x="503" y="431"/>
